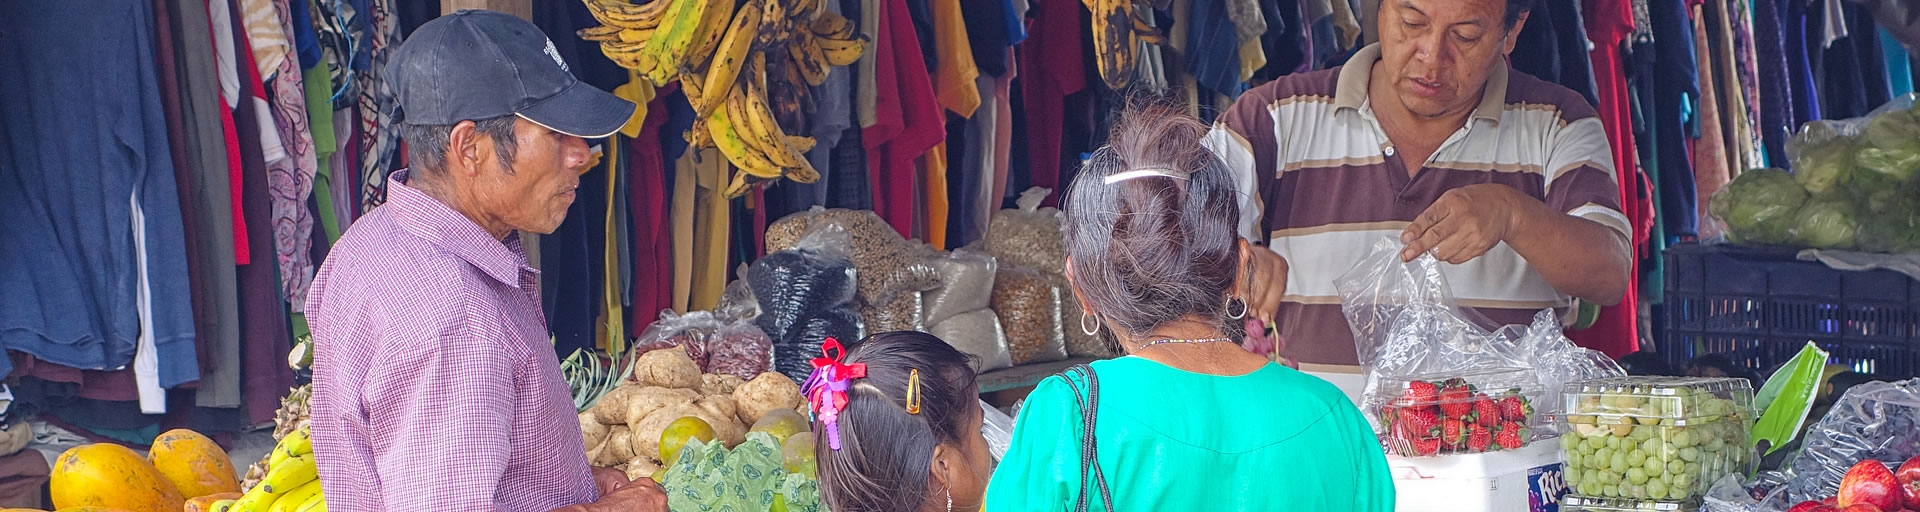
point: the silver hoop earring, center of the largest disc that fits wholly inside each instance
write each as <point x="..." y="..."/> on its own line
<point x="1243" y="308"/>
<point x="1089" y="328"/>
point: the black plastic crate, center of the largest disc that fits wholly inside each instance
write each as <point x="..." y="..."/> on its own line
<point x="1758" y="306"/>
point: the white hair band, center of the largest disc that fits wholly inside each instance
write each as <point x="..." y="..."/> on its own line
<point x="1144" y="173"/>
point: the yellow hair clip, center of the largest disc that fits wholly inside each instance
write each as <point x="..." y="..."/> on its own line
<point x="913" y="392"/>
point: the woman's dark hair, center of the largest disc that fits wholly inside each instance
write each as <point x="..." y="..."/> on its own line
<point x="1645" y="363"/>
<point x="885" y="454"/>
<point x="1148" y="250"/>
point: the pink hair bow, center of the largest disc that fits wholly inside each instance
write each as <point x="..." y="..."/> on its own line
<point x="826" y="389"/>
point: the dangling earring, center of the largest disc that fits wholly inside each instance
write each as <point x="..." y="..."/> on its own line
<point x="1243" y="308"/>
<point x="949" y="492"/>
<point x="1091" y="328"/>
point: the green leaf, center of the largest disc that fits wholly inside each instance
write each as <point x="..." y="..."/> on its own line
<point x="1787" y="398"/>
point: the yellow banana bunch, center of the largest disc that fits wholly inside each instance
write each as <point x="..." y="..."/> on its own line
<point x="732" y="57"/>
<point x="842" y="52"/>
<point x="728" y="138"/>
<point x="666" y="52"/>
<point x="627" y="55"/>
<point x="832" y="25"/>
<point x="1119" y="26"/>
<point x="809" y="57"/>
<point x="297" y="443"/>
<point x="706" y="37"/>
<point x="623" y="14"/>
<point x="775" y="20"/>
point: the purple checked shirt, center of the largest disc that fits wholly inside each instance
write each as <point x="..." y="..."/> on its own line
<point x="435" y="386"/>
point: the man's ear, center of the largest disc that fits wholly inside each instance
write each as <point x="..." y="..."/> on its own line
<point x="467" y="149"/>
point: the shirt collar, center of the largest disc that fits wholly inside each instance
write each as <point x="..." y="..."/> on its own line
<point x="438" y="224"/>
<point x="1351" y="89"/>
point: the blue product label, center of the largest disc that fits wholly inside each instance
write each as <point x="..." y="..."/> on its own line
<point x="1545" y="485"/>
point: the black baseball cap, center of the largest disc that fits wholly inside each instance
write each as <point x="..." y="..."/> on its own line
<point x="474" y="65"/>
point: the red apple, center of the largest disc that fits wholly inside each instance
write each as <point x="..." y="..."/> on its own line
<point x="1909" y="477"/>
<point x="1870" y="482"/>
<point x="1862" y="507"/>
<point x="1805" y="506"/>
<point x="1824" y="508"/>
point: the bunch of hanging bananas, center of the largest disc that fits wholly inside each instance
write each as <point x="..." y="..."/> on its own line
<point x="1119" y="28"/>
<point x="745" y="66"/>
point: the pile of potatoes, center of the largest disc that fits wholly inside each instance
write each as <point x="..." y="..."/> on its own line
<point x="622" y="430"/>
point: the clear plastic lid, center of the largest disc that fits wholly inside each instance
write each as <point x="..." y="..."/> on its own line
<point x="1682" y="400"/>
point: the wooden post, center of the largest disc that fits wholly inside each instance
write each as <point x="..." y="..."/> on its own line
<point x="521" y="8"/>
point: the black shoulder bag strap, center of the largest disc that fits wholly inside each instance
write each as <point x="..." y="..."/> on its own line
<point x="1089" y="460"/>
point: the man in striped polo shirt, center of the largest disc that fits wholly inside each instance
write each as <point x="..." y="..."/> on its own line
<point x="1430" y="138"/>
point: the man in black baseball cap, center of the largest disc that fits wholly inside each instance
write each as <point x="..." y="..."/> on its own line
<point x="435" y="385"/>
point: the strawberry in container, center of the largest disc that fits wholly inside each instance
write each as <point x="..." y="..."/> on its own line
<point x="1463" y="413"/>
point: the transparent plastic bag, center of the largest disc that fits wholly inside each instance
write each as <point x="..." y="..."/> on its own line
<point x="997" y="428"/>
<point x="966" y="284"/>
<point x="978" y="334"/>
<point x="738" y="303"/>
<point x="690" y="331"/>
<point x="1874" y="420"/>
<point x="803" y="282"/>
<point x="1028" y="236"/>
<point x="1028" y="304"/>
<point x="740" y="349"/>
<point x="905" y="312"/>
<point x="1407" y="328"/>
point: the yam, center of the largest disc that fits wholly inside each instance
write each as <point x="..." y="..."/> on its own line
<point x="612" y="407"/>
<point x="667" y="368"/>
<point x="592" y="431"/>
<point x="717" y="384"/>
<point x="641" y="467"/>
<point x="722" y="406"/>
<point x="649" y="399"/>
<point x="620" y="445"/>
<point x="646" y="432"/>
<point x="766" y="392"/>
<point x="596" y="455"/>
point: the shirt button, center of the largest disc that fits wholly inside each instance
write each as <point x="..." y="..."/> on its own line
<point x="1389" y="150"/>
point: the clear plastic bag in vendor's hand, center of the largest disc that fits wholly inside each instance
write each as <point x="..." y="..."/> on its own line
<point x="740" y="349"/>
<point x="966" y="284"/>
<point x="1028" y="236"/>
<point x="978" y="334"/>
<point x="690" y="331"/>
<point x="1028" y="303"/>
<point x="806" y="281"/>
<point x="1876" y="420"/>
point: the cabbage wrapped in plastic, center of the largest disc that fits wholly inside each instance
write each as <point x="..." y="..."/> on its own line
<point x="1897" y="230"/>
<point x="1823" y="167"/>
<point x="1825" y="224"/>
<point x="1878" y="193"/>
<point x="1759" y="206"/>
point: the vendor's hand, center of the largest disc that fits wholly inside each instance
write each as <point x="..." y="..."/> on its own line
<point x="1266" y="284"/>
<point x="1465" y="223"/>
<point x="608" y="479"/>
<point x="639" y="496"/>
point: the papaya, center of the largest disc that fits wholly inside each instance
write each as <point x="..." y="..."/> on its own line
<point x="92" y="509"/>
<point x="21" y="510"/>
<point x="193" y="463"/>
<point x="205" y="503"/>
<point x="110" y="476"/>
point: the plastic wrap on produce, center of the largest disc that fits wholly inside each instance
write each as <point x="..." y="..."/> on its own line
<point x="966" y="284"/>
<point x="997" y="428"/>
<point x="1028" y="235"/>
<point x="806" y="281"/>
<point x="1028" y="303"/>
<point x="978" y="334"/>
<point x="1874" y="420"/>
<point x="1406" y="326"/>
<point x="905" y="312"/>
<point x="690" y="331"/>
<point x="740" y="349"/>
<point x="1854" y="184"/>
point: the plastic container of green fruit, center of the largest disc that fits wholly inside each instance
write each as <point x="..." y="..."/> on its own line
<point x="1655" y="438"/>
<point x="1586" y="504"/>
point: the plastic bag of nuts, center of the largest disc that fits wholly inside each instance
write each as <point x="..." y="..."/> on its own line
<point x="1028" y="305"/>
<point x="689" y="331"/>
<point x="739" y="349"/>
<point x="1028" y="236"/>
<point x="903" y="313"/>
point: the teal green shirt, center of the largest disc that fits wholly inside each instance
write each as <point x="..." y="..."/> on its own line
<point x="1169" y="439"/>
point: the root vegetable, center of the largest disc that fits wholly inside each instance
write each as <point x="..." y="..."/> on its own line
<point x="592" y="430"/>
<point x="766" y="392"/>
<point x="612" y="407"/>
<point x="641" y="467"/>
<point x="619" y="446"/>
<point x="646" y="436"/>
<point x="722" y="406"/>
<point x="718" y="384"/>
<point x="669" y="368"/>
<point x="644" y="402"/>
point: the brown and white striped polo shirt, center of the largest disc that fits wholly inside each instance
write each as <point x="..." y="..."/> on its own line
<point x="1329" y="185"/>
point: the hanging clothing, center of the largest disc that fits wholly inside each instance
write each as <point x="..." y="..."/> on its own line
<point x="1800" y="69"/>
<point x="1899" y="64"/>
<point x="1776" y="91"/>
<point x="206" y="200"/>
<point x="1609" y="22"/>
<point x="82" y="154"/>
<point x="1052" y="66"/>
<point x="377" y="105"/>
<point x="909" y="121"/>
<point x="1556" y="39"/>
<point x="650" y="201"/>
<point x="1213" y="49"/>
<point x="954" y="77"/>
<point x="292" y="172"/>
<point x="1675" y="85"/>
<point x="266" y="334"/>
<point x="1710" y="158"/>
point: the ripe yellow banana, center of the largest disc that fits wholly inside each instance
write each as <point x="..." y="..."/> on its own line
<point x="732" y="57"/>
<point x="801" y="143"/>
<point x="738" y="186"/>
<point x="600" y="33"/>
<point x="292" y="501"/>
<point x="1114" y="42"/>
<point x="706" y="37"/>
<point x="627" y="55"/>
<point x="221" y="506"/>
<point x="807" y="10"/>
<point x="298" y="442"/>
<point x="636" y="35"/>
<point x="256" y="500"/>
<point x="289" y="475"/>
<point x="832" y="25"/>
<point x="668" y="47"/>
<point x="775" y="17"/>
<point x="756" y="126"/>
<point x="808" y="57"/>
<point x="842" y="52"/>
<point x="736" y="149"/>
<point x="318" y="503"/>
<point x="622" y="14"/>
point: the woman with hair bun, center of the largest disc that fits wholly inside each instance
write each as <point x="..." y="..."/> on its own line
<point x="1187" y="420"/>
